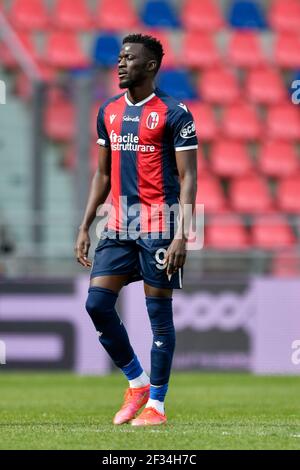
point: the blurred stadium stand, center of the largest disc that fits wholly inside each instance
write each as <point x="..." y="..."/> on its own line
<point x="231" y="61"/>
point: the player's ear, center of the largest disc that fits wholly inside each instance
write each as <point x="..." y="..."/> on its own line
<point x="152" y="66"/>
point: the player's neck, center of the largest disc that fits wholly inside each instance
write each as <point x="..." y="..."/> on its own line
<point x="137" y="94"/>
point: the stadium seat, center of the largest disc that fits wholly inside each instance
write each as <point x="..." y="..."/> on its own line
<point x="199" y="50"/>
<point x="284" y="16"/>
<point x="230" y="158"/>
<point x="70" y="15"/>
<point x="240" y="121"/>
<point x="177" y="83"/>
<point x="159" y="14"/>
<point x="245" y="49"/>
<point x="29" y="15"/>
<point x="116" y="15"/>
<point x="210" y="193"/>
<point x="206" y="125"/>
<point x="63" y="50"/>
<point x="219" y="86"/>
<point x="272" y="232"/>
<point x="170" y="59"/>
<point x="250" y="194"/>
<point x="286" y="263"/>
<point x="226" y="232"/>
<point x="246" y="14"/>
<point x="283" y="122"/>
<point x="106" y="50"/>
<point x="278" y="158"/>
<point x="286" y="50"/>
<point x="8" y="59"/>
<point x="288" y="194"/>
<point x="59" y="119"/>
<point x="202" y="16"/>
<point x="70" y="157"/>
<point x="265" y="86"/>
<point x="24" y="86"/>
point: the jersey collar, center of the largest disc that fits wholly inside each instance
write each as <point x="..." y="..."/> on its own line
<point x="140" y="103"/>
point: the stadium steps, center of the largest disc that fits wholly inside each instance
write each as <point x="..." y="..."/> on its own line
<point x="15" y="169"/>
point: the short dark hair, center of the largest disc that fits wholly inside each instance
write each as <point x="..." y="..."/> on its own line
<point x="152" y="44"/>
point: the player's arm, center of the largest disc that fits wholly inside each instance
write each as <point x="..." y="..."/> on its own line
<point x="99" y="191"/>
<point x="186" y="161"/>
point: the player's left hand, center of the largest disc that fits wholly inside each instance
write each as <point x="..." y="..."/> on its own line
<point x="175" y="256"/>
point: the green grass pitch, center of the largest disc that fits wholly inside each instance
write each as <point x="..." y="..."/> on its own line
<point x="205" y="411"/>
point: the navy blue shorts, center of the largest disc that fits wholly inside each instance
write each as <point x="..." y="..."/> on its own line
<point x="141" y="258"/>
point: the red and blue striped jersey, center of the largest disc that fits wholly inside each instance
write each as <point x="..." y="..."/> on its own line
<point x="143" y="138"/>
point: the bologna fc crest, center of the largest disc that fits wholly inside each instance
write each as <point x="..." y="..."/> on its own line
<point x="152" y="120"/>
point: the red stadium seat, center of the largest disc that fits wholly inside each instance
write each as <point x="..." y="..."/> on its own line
<point x="170" y="59"/>
<point x="63" y="50"/>
<point x="278" y="158"/>
<point x="59" y="123"/>
<point x="288" y="194"/>
<point x="8" y="59"/>
<point x="240" y="121"/>
<point x="286" y="51"/>
<point x="286" y="263"/>
<point x="29" y="15"/>
<point x="226" y="232"/>
<point x="202" y="16"/>
<point x="199" y="50"/>
<point x="250" y="194"/>
<point x="219" y="86"/>
<point x="283" y="122"/>
<point x="116" y="15"/>
<point x="230" y="158"/>
<point x="284" y="16"/>
<point x="24" y="87"/>
<point x="210" y="193"/>
<point x="273" y="232"/>
<point x="70" y="157"/>
<point x="265" y="86"/>
<point x="206" y="125"/>
<point x="245" y="49"/>
<point x="70" y="15"/>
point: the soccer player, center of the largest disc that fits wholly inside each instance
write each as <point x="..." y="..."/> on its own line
<point x="148" y="159"/>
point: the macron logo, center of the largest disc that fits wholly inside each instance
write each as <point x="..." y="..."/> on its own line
<point x="183" y="106"/>
<point x="112" y="117"/>
<point x="158" y="343"/>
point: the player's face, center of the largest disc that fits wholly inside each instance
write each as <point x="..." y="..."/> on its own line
<point x="133" y="65"/>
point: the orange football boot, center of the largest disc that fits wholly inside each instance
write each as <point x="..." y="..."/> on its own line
<point x="134" y="399"/>
<point x="149" y="417"/>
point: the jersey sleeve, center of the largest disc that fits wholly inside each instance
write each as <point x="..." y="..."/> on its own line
<point x="103" y="138"/>
<point x="183" y="130"/>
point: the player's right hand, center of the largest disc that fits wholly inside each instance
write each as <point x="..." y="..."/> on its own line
<point x="81" y="248"/>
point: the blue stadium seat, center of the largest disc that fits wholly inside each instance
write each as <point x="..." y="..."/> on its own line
<point x="177" y="84"/>
<point x="244" y="14"/>
<point x="106" y="50"/>
<point x="159" y="14"/>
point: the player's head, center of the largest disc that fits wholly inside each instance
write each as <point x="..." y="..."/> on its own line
<point x="139" y="60"/>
